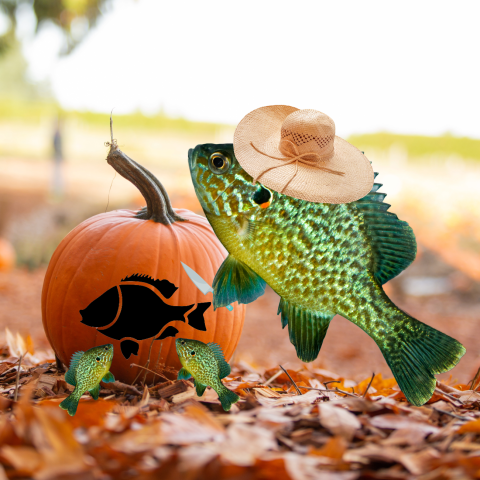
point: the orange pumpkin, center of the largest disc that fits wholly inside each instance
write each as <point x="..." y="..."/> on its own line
<point x="86" y="271"/>
<point x="7" y="256"/>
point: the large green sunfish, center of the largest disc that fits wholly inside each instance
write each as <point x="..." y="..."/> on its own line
<point x="86" y="372"/>
<point x="206" y="364"/>
<point x="322" y="259"/>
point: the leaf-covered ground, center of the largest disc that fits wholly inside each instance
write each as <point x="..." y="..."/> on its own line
<point x="310" y="425"/>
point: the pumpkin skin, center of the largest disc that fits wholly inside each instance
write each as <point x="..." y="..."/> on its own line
<point x="7" y="256"/>
<point x="100" y="252"/>
<point x="106" y="248"/>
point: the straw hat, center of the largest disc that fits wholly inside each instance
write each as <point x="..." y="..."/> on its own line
<point x="296" y="152"/>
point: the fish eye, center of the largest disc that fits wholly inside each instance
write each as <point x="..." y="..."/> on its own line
<point x="106" y="348"/>
<point x="97" y="359"/>
<point x="192" y="353"/>
<point x="219" y="163"/>
<point x="182" y="342"/>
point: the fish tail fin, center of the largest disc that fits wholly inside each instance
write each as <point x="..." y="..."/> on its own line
<point x="70" y="404"/>
<point x="415" y="352"/>
<point x="227" y="398"/>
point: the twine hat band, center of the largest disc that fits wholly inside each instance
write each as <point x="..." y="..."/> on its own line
<point x="317" y="165"/>
<point x="297" y="157"/>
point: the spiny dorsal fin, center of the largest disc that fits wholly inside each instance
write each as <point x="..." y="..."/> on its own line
<point x="70" y="375"/>
<point x="223" y="366"/>
<point x="393" y="240"/>
<point x="307" y="329"/>
<point x="166" y="288"/>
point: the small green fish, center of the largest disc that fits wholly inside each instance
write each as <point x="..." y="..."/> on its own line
<point x="322" y="259"/>
<point x="206" y="364"/>
<point x="86" y="372"/>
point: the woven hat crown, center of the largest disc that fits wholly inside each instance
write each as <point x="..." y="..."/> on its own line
<point x="310" y="131"/>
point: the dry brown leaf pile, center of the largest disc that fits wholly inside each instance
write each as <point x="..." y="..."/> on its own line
<point x="333" y="430"/>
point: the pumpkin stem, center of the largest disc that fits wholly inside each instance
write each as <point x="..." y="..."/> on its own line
<point x="159" y="209"/>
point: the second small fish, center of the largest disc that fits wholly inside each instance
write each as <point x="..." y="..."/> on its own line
<point x="206" y="364"/>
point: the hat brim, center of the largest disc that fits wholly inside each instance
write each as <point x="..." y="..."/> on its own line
<point x="262" y="127"/>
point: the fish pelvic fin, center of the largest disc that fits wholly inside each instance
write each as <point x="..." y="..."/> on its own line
<point x="108" y="378"/>
<point x="227" y="397"/>
<point x="70" y="404"/>
<point x="415" y="352"/>
<point x="236" y="282"/>
<point x="183" y="374"/>
<point x="306" y="328"/>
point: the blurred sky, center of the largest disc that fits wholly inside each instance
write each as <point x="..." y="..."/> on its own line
<point x="406" y="67"/>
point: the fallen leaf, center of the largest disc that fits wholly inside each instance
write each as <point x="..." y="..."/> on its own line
<point x="334" y="448"/>
<point x="25" y="459"/>
<point x="396" y="422"/>
<point x="244" y="444"/>
<point x="266" y="392"/>
<point x="470" y="427"/>
<point x="338" y="421"/>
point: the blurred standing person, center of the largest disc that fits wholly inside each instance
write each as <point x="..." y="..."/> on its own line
<point x="57" y="183"/>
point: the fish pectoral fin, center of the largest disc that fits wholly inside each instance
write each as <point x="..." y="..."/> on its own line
<point x="223" y="366"/>
<point x="200" y="387"/>
<point x="70" y="375"/>
<point x="95" y="392"/>
<point x="183" y="374"/>
<point x="108" y="378"/>
<point x="307" y="328"/>
<point x="236" y="282"/>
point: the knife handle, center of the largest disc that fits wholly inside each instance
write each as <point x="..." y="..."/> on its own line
<point x="229" y="308"/>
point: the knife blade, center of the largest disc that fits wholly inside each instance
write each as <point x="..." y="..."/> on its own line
<point x="199" y="282"/>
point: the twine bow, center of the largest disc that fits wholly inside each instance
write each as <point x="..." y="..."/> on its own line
<point x="295" y="157"/>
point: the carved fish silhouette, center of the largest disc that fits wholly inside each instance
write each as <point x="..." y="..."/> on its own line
<point x="134" y="311"/>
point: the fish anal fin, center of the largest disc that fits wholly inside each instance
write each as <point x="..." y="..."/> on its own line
<point x="200" y="388"/>
<point x="307" y="329"/>
<point x="223" y="366"/>
<point x="95" y="392"/>
<point x="236" y="282"/>
<point x="70" y="375"/>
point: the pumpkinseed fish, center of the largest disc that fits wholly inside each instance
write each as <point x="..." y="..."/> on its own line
<point x="321" y="259"/>
<point x="87" y="370"/>
<point x="206" y="364"/>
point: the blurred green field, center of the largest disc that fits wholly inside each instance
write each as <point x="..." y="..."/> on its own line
<point x="419" y="146"/>
<point x="26" y="128"/>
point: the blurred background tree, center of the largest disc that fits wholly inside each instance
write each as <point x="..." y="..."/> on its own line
<point x="74" y="18"/>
